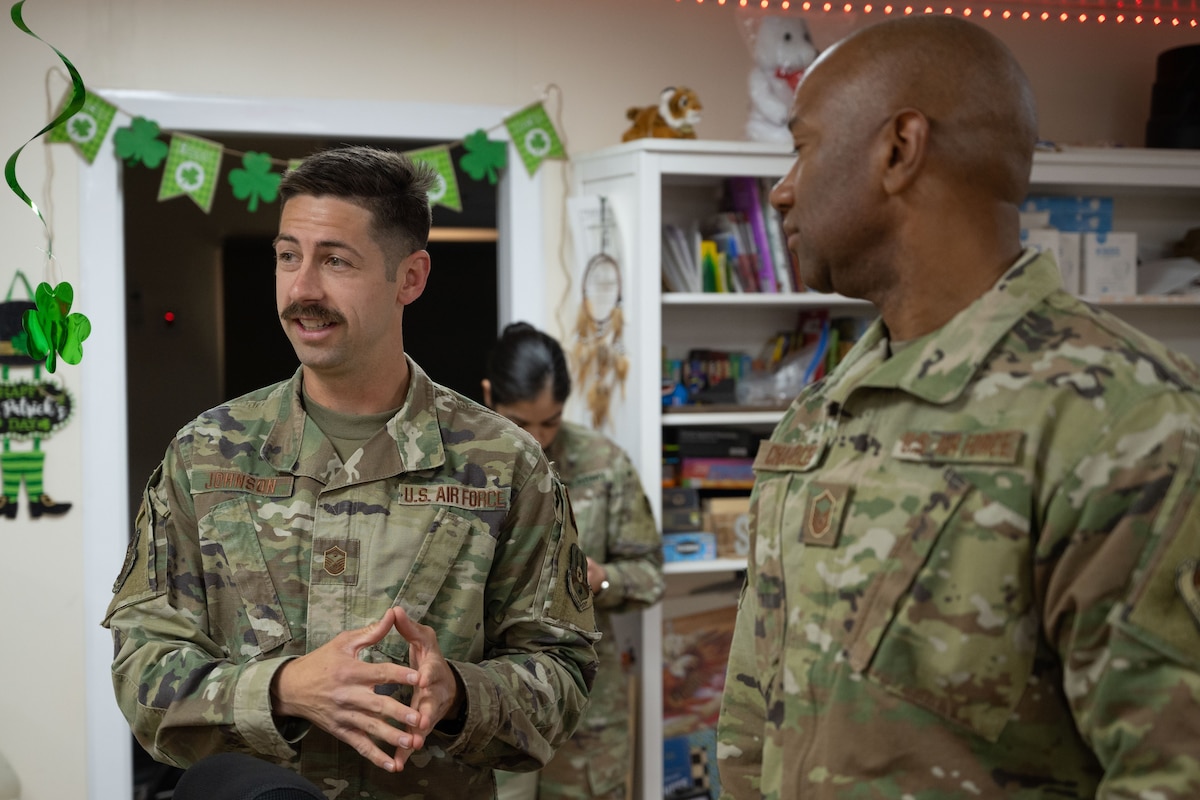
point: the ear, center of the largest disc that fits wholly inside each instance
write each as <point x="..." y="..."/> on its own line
<point x="412" y="276"/>
<point x="487" y="392"/>
<point x="906" y="139"/>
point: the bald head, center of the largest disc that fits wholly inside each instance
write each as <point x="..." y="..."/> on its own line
<point x="982" y="118"/>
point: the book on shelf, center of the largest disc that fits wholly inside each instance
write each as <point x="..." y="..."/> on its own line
<point x="712" y="270"/>
<point x="746" y="199"/>
<point x="709" y="442"/>
<point x="716" y="473"/>
<point x="739" y="263"/>
<point x="679" y="272"/>
<point x="786" y="267"/>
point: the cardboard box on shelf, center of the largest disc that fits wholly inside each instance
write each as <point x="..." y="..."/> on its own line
<point x="1109" y="264"/>
<point x="729" y="519"/>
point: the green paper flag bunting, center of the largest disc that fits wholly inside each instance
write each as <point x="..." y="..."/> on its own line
<point x="445" y="191"/>
<point x="87" y="129"/>
<point x="484" y="158"/>
<point x="255" y="181"/>
<point x="192" y="167"/>
<point x="534" y="136"/>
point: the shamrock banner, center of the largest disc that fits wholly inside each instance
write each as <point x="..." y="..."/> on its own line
<point x="534" y="136"/>
<point x="87" y="129"/>
<point x="192" y="167"/>
<point x="445" y="191"/>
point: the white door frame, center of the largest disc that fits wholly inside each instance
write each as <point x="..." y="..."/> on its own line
<point x="105" y="498"/>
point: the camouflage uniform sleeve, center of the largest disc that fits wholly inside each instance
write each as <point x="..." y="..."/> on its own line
<point x="1121" y="542"/>
<point x="183" y="697"/>
<point x="634" y="564"/>
<point x="529" y="693"/>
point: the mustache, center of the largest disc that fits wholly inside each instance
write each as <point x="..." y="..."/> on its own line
<point x="317" y="312"/>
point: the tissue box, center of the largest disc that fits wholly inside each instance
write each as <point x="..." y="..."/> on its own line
<point x="689" y="546"/>
<point x="1109" y="264"/>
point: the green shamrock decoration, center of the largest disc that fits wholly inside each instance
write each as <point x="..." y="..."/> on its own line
<point x="139" y="143"/>
<point x="255" y="181"/>
<point x="82" y="127"/>
<point x="51" y="330"/>
<point x="484" y="156"/>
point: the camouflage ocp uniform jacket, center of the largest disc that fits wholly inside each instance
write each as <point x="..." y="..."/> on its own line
<point x="617" y="529"/>
<point x="974" y="567"/>
<point x="255" y="544"/>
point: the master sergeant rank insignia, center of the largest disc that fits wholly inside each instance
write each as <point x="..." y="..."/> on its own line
<point x="823" y="517"/>
<point x="335" y="560"/>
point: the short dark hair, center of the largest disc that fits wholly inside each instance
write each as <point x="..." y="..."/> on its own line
<point x="524" y="362"/>
<point x="391" y="186"/>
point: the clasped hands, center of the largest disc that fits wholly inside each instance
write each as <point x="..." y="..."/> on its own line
<point x="334" y="690"/>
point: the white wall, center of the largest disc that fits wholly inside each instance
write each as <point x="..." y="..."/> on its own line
<point x="1092" y="83"/>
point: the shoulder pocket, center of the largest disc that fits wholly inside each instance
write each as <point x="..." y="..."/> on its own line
<point x="141" y="576"/>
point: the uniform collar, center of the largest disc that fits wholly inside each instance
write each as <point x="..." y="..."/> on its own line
<point x="416" y="427"/>
<point x="939" y="366"/>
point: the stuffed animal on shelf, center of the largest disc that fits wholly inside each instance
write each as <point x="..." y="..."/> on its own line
<point x="675" y="116"/>
<point x="782" y="49"/>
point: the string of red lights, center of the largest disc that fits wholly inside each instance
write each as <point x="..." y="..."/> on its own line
<point x="1171" y="13"/>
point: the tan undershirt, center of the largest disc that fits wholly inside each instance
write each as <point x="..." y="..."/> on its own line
<point x="347" y="432"/>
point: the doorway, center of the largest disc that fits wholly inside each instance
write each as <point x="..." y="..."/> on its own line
<point x="104" y="413"/>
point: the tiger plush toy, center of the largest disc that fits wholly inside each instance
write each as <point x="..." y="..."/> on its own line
<point x="675" y="116"/>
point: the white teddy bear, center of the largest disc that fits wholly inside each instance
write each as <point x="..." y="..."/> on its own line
<point x="782" y="50"/>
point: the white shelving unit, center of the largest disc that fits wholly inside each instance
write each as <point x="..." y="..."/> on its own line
<point x="650" y="182"/>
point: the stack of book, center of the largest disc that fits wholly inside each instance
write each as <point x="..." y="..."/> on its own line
<point x="739" y="249"/>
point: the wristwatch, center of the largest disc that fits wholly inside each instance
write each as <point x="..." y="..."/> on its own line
<point x="604" y="584"/>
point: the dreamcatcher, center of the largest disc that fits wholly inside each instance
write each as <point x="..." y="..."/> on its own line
<point x="601" y="363"/>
